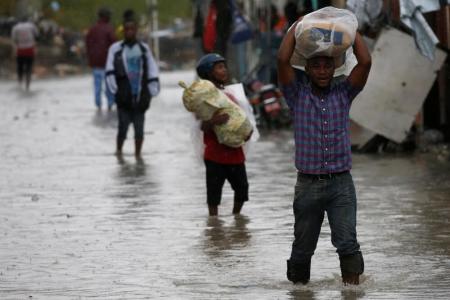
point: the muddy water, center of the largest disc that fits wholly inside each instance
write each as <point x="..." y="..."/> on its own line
<point x="78" y="223"/>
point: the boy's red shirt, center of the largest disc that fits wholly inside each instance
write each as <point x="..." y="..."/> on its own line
<point x="219" y="153"/>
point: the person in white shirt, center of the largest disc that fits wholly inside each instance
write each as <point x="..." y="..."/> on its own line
<point x="24" y="36"/>
<point x="132" y="75"/>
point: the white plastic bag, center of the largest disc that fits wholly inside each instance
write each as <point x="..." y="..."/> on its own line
<point x="237" y="90"/>
<point x="328" y="31"/>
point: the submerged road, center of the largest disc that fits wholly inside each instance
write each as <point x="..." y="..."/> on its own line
<point x="78" y="223"/>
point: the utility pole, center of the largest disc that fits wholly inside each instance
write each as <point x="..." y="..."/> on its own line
<point x="268" y="50"/>
<point x="153" y="11"/>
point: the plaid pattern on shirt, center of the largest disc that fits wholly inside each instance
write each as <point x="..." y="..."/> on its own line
<point x="321" y="125"/>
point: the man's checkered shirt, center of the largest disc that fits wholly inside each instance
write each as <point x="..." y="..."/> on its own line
<point x="321" y="125"/>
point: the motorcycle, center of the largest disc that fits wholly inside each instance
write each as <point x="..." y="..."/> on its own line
<point x="269" y="105"/>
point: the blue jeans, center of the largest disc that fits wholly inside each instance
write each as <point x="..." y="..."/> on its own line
<point x="99" y="80"/>
<point x="314" y="197"/>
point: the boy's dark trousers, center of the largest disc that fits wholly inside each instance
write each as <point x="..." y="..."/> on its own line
<point x="217" y="173"/>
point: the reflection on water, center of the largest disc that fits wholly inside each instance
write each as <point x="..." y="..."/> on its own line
<point x="220" y="237"/>
<point x="132" y="176"/>
<point x="302" y="294"/>
<point x="134" y="189"/>
<point x="105" y="119"/>
<point x="131" y="172"/>
<point x="26" y="94"/>
<point x="352" y="294"/>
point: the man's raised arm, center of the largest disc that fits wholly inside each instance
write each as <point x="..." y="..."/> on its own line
<point x="360" y="73"/>
<point x="285" y="71"/>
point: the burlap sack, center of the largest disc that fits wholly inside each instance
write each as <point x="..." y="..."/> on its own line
<point x="204" y="100"/>
<point x="328" y="31"/>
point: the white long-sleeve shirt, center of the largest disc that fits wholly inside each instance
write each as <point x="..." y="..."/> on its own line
<point x="152" y="68"/>
<point x="24" y="35"/>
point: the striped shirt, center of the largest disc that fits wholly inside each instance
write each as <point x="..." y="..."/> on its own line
<point x="321" y="125"/>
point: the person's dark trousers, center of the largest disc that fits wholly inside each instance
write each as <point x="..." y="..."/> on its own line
<point x="130" y="116"/>
<point x="217" y="173"/>
<point x="24" y="67"/>
<point x="313" y="197"/>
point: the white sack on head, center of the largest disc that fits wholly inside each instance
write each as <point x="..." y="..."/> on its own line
<point x="328" y="31"/>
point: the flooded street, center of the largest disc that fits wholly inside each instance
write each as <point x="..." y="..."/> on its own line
<point x="76" y="222"/>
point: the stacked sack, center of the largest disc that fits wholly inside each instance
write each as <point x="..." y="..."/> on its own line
<point x="204" y="100"/>
<point x="328" y="31"/>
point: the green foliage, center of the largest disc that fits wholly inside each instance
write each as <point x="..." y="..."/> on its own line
<point x="171" y="9"/>
<point x="80" y="14"/>
<point x="6" y="7"/>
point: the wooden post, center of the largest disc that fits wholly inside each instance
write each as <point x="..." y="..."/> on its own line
<point x="153" y="13"/>
<point x="442" y="29"/>
<point x="392" y="9"/>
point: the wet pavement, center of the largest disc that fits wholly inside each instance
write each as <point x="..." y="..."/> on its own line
<point x="78" y="223"/>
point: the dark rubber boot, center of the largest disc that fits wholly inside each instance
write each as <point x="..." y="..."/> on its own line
<point x="351" y="267"/>
<point x="298" y="272"/>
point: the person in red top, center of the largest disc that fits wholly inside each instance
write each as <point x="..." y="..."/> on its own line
<point x="98" y="40"/>
<point x="221" y="162"/>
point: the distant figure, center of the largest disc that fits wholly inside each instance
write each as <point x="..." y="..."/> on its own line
<point x="132" y="75"/>
<point x="98" y="40"/>
<point x="224" y="24"/>
<point x="24" y="36"/>
<point x="218" y="27"/>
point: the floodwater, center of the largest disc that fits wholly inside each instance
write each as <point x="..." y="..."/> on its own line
<point x="78" y="223"/>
